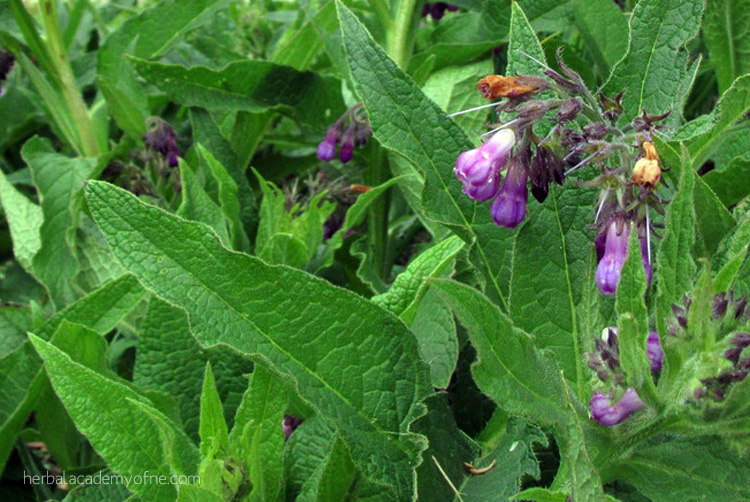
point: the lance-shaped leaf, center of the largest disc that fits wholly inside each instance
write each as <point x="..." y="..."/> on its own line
<point x="725" y="31"/>
<point x="409" y="123"/>
<point x="24" y="219"/>
<point x="655" y="66"/>
<point x="121" y="425"/>
<point x="510" y="369"/>
<point x="353" y="361"/>
<point x="149" y="35"/>
<point x="248" y="85"/>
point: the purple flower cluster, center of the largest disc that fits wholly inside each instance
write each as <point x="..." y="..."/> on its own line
<point x="606" y="413"/>
<point x="351" y="130"/>
<point x="437" y="9"/>
<point x="162" y="139"/>
<point x="581" y="131"/>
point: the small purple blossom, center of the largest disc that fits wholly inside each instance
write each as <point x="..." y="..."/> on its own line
<point x="654" y="351"/>
<point x="162" y="139"/>
<point x="613" y="257"/>
<point x="509" y="207"/>
<point x="479" y="169"/>
<point x="604" y="412"/>
<point x="347" y="148"/>
<point x="327" y="147"/>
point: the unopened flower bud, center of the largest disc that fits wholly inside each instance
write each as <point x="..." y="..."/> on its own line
<point x="595" y="131"/>
<point x="647" y="171"/>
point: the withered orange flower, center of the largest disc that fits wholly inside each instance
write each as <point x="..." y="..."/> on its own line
<point x="497" y="86"/>
<point x="647" y="171"/>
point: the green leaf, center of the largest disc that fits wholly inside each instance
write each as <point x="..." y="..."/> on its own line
<point x="259" y="432"/>
<point x="301" y="49"/>
<point x="449" y="447"/>
<point x="732" y="105"/>
<point x="59" y="180"/>
<point x="149" y="35"/>
<point x="95" y="490"/>
<point x="213" y="428"/>
<point x="712" y="219"/>
<point x="604" y="29"/>
<point x="333" y="479"/>
<point x="107" y="413"/>
<point x="523" y="39"/>
<point x="633" y="320"/>
<point x="675" y="265"/>
<point x="249" y="85"/>
<point x="15" y="321"/>
<point x="454" y="89"/>
<point x="549" y="263"/>
<point x="306" y="451"/>
<point x="731" y="184"/>
<point x="585" y="482"/>
<point x="687" y="469"/>
<point x="100" y="310"/>
<point x="229" y="200"/>
<point x="169" y="359"/>
<point x="198" y="206"/>
<point x="222" y="293"/>
<point x="510" y="369"/>
<point x="409" y="286"/>
<point x="728" y="39"/>
<point x="24" y="219"/>
<point x="435" y="331"/>
<point x="206" y="132"/>
<point x="515" y="459"/>
<point x="655" y="65"/>
<point x="20" y="384"/>
<point x="405" y="121"/>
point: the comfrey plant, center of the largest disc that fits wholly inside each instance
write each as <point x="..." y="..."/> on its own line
<point x="582" y="132"/>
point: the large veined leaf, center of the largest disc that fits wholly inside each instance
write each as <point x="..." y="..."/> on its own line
<point x="356" y="363"/>
<point x="24" y="219"/>
<point x="148" y="35"/>
<point x="249" y="85"/>
<point x="121" y="424"/>
<point x="655" y="66"/>
<point x="727" y="35"/>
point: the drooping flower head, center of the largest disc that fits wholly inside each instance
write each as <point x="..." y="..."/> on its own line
<point x="352" y="130"/>
<point x="162" y="139"/>
<point x="479" y="169"/>
<point x="509" y="207"/>
<point x="608" y="414"/>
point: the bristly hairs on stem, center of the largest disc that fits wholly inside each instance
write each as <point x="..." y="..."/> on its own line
<point x="601" y="205"/>
<point x="473" y="109"/>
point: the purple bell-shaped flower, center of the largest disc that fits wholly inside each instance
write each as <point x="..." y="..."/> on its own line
<point x="614" y="255"/>
<point x="479" y="169"/>
<point x="509" y="207"/>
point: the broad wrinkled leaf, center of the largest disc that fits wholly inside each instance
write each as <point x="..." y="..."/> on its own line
<point x="308" y="329"/>
<point x="728" y="39"/>
<point x="249" y="85"/>
<point x="106" y="412"/>
<point x="687" y="469"/>
<point x="604" y="29"/>
<point x="713" y="220"/>
<point x="24" y="219"/>
<point x="454" y="89"/>
<point x="655" y="65"/>
<point x="406" y="121"/>
<point x="675" y="265"/>
<point x="333" y="479"/>
<point x="515" y="459"/>
<point x="702" y="134"/>
<point x="59" y="180"/>
<point x="510" y="369"/>
<point x="198" y="206"/>
<point x="149" y="35"/>
<point x="522" y="39"/>
<point x="169" y="359"/>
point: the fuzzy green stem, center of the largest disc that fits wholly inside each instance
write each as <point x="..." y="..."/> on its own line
<point x="88" y="145"/>
<point x="401" y="32"/>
